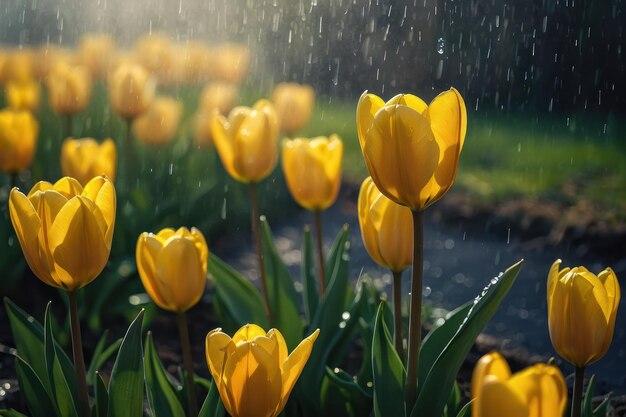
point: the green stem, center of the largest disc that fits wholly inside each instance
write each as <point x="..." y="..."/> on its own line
<point x="415" y="314"/>
<point x="320" y="251"/>
<point x="397" y="312"/>
<point x="577" y="398"/>
<point x="256" y="230"/>
<point x="68" y="126"/>
<point x="183" y="330"/>
<point x="128" y="152"/>
<point x="79" y="360"/>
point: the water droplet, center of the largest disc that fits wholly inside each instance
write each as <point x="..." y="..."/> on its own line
<point x="426" y="291"/>
<point x="441" y="46"/>
<point x="345" y="315"/>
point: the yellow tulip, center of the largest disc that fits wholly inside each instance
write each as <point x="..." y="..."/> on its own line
<point x="312" y="170"/>
<point x="69" y="89"/>
<point x="412" y="149"/>
<point x="65" y="231"/>
<point x="202" y="135"/>
<point x="196" y="62"/>
<point x="96" y="52"/>
<point x="49" y="57"/>
<point x="18" y="139"/>
<point x="247" y="142"/>
<point x="294" y="104"/>
<point x="581" y="312"/>
<point x="218" y="96"/>
<point x="230" y="63"/>
<point x="173" y="267"/>
<point x="253" y="371"/>
<point x="85" y="159"/>
<point x="19" y="66"/>
<point x="536" y="391"/>
<point x="23" y="95"/>
<point x="131" y="90"/>
<point x="158" y="125"/>
<point x="157" y="54"/>
<point x="385" y="228"/>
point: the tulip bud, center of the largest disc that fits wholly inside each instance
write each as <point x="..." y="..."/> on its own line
<point x="157" y="54"/>
<point x="23" y="95"/>
<point x="294" y="104"/>
<point x="96" y="52"/>
<point x="253" y="372"/>
<point x="131" y="90"/>
<point x="412" y="149"/>
<point x="582" y="308"/>
<point x="65" y="231"/>
<point x="230" y="63"/>
<point x="173" y="267"/>
<point x="158" y="125"/>
<point x="19" y="66"/>
<point x="85" y="159"/>
<point x="69" y="89"/>
<point x="218" y="96"/>
<point x="385" y="228"/>
<point x="247" y="142"/>
<point x="48" y="58"/>
<point x="538" y="390"/>
<point x="312" y="170"/>
<point x="18" y="139"/>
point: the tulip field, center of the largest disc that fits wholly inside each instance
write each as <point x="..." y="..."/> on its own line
<point x="130" y="173"/>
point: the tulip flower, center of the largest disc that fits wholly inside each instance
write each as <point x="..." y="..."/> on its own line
<point x="85" y="159"/>
<point x="131" y="90"/>
<point x="23" y="95"/>
<point x="49" y="57"/>
<point x="412" y="149"/>
<point x="202" y="135"/>
<point x="158" y="125"/>
<point x="18" y="140"/>
<point x="69" y="89"/>
<point x="19" y="66"/>
<point x="253" y="371"/>
<point x="218" y="96"/>
<point x="96" y="52"/>
<point x="294" y="104"/>
<point x="536" y="391"/>
<point x="157" y="54"/>
<point x="230" y="63"/>
<point x="195" y="62"/>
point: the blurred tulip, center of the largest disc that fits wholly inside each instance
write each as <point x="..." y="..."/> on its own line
<point x="218" y="96"/>
<point x="48" y="57"/>
<point x="196" y="62"/>
<point x="536" y="391"/>
<point x="582" y="308"/>
<point x="19" y="66"/>
<point x="173" y="267"/>
<point x="96" y="52"/>
<point x="157" y="54"/>
<point x="85" y="159"/>
<point x="247" y="142"/>
<point x="230" y="63"/>
<point x="131" y="90"/>
<point x="385" y="228"/>
<point x="23" y="95"/>
<point x="312" y="170"/>
<point x="294" y="104"/>
<point x="412" y="149"/>
<point x="158" y="125"/>
<point x="202" y="135"/>
<point x="18" y="140"/>
<point x="69" y="89"/>
<point x="253" y="371"/>
<point x="65" y="231"/>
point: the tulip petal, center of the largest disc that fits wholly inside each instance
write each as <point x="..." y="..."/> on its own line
<point x="256" y="145"/>
<point x="68" y="186"/>
<point x="248" y="332"/>
<point x="283" y="352"/>
<point x="218" y="347"/>
<point x="493" y="366"/>
<point x="395" y="234"/>
<point x="367" y="194"/>
<point x="498" y="398"/>
<point x="147" y="251"/>
<point x="368" y="106"/>
<point x="410" y="100"/>
<point x="222" y="138"/>
<point x="101" y="191"/>
<point x="201" y="247"/>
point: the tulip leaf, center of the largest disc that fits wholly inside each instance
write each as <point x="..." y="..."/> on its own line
<point x="342" y="396"/>
<point x="11" y="413"/>
<point x="62" y="381"/>
<point x="161" y="396"/>
<point x="436" y="387"/>
<point x="465" y="411"/>
<point x="242" y="302"/>
<point x="282" y="294"/>
<point x="587" y="405"/>
<point x="388" y="371"/>
<point x="126" y="386"/>
<point x="309" y="283"/>
<point x="33" y="390"/>
<point x="212" y="406"/>
<point x="102" y="397"/>
<point x="100" y="355"/>
<point x="602" y="410"/>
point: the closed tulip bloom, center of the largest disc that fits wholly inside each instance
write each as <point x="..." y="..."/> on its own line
<point x="65" y="230"/>
<point x="85" y="159"/>
<point x="23" y="95"/>
<point x="131" y="90"/>
<point x="294" y="104"/>
<point x="412" y="149"/>
<point x="385" y="228"/>
<point x="157" y="54"/>
<point x="69" y="89"/>
<point x="253" y="371"/>
<point x="218" y="96"/>
<point x="173" y="267"/>
<point x="536" y="391"/>
<point x="96" y="52"/>
<point x="158" y="125"/>
<point x="247" y="142"/>
<point x="49" y="57"/>
<point x="312" y="170"/>
<point x="230" y="63"/>
<point x="581" y="312"/>
<point x="18" y="139"/>
<point x="19" y="66"/>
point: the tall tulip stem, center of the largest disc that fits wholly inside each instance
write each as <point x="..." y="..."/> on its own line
<point x="256" y="230"/>
<point x="578" y="391"/>
<point x="79" y="360"/>
<point x="183" y="330"/>
<point x="415" y="314"/>
<point x="397" y="312"/>
<point x="320" y="250"/>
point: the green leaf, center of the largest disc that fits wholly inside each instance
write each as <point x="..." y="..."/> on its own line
<point x="100" y="355"/>
<point x="388" y="371"/>
<point x="212" y="406"/>
<point x="11" y="413"/>
<point x="309" y="281"/>
<point x="454" y="402"/>
<point x="342" y="396"/>
<point x="126" y="386"/>
<point x="102" y="397"/>
<point x="435" y="390"/>
<point x="241" y="300"/>
<point x="62" y="382"/>
<point x="33" y="390"/>
<point x="281" y="292"/>
<point x="587" y="405"/>
<point x="161" y="396"/>
<point x="466" y="410"/>
<point x="602" y="410"/>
